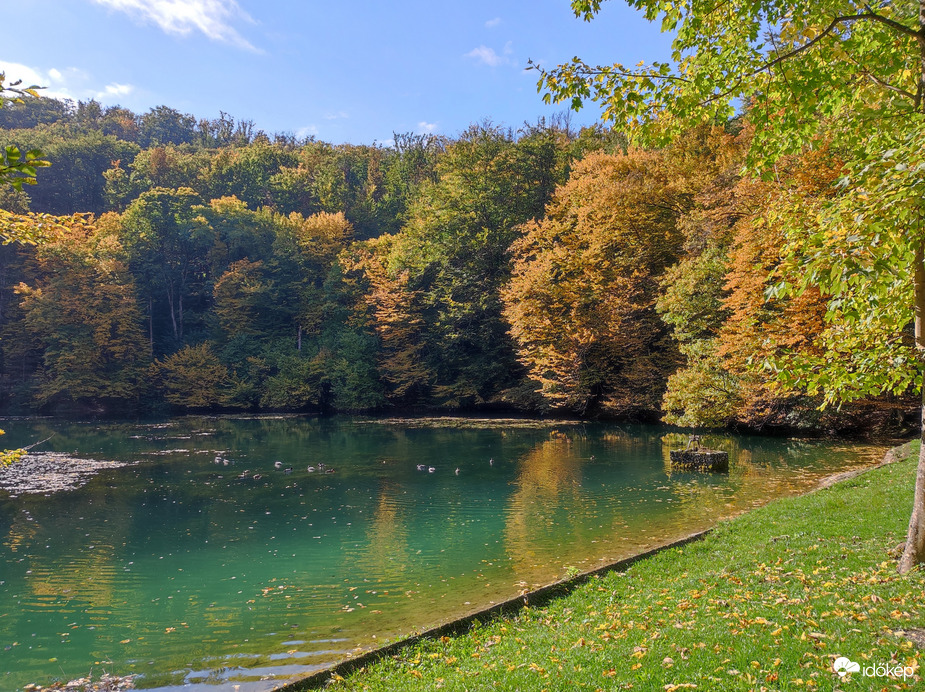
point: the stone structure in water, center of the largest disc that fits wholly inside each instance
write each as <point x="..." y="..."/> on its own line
<point x="699" y="459"/>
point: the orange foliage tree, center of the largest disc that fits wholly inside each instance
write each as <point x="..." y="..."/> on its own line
<point x="396" y="312"/>
<point x="581" y="299"/>
<point x="717" y="299"/>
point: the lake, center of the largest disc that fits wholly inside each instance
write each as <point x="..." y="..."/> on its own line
<point x="189" y="558"/>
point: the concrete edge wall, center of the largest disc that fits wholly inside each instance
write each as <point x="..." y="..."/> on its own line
<point x="535" y="598"/>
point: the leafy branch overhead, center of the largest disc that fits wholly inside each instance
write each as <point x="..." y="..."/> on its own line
<point x="793" y="64"/>
<point x="18" y="168"/>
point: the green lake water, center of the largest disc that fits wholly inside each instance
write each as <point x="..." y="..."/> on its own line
<point x="176" y="568"/>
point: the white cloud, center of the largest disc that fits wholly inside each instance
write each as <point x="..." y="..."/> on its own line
<point x="485" y="55"/>
<point x="68" y="83"/>
<point x="211" y="17"/>
<point x="116" y="89"/>
<point x="340" y="115"/>
<point x="53" y="83"/>
<point x="307" y="131"/>
<point x="427" y="127"/>
<point x="27" y="75"/>
<point x="488" y="56"/>
<point x="493" y="23"/>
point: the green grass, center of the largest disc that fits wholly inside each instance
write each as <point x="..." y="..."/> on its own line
<point x="767" y="601"/>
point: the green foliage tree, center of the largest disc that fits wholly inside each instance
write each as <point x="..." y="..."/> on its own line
<point x="247" y="172"/>
<point x="75" y="183"/>
<point x="194" y="378"/>
<point x="846" y="71"/>
<point x="167" y="240"/>
<point x="454" y="249"/>
<point x="163" y="125"/>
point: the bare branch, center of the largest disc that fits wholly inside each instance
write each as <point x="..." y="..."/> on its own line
<point x="36" y="444"/>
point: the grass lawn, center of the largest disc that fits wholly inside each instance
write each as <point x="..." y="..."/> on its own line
<point x="768" y="601"/>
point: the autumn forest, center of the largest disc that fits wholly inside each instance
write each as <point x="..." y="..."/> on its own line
<point x="193" y="265"/>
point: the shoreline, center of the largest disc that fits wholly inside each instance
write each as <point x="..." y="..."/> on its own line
<point x="550" y="592"/>
<point x="535" y="598"/>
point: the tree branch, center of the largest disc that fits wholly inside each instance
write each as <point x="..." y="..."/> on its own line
<point x="876" y="80"/>
<point x="806" y="46"/>
<point x="590" y="72"/>
<point x="893" y="24"/>
<point x="902" y="28"/>
<point x="36" y="444"/>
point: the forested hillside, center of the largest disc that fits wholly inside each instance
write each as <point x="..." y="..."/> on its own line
<point x="204" y="264"/>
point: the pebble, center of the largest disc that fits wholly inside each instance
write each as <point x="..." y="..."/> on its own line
<point x="106" y="683"/>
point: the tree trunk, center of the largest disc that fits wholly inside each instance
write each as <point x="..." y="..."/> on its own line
<point x="173" y="315"/>
<point x="914" y="552"/>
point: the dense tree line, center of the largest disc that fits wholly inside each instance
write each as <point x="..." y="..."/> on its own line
<point x="203" y="264"/>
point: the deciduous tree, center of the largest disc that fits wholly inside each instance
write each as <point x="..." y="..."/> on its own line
<point x="167" y="241"/>
<point x="581" y="299"/>
<point x="848" y="71"/>
<point x="85" y="315"/>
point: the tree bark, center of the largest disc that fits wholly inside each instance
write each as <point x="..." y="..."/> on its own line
<point x="914" y="551"/>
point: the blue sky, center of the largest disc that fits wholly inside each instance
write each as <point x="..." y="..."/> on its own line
<point x="351" y="71"/>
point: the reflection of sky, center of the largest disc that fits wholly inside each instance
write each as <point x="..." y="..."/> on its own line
<point x="180" y="561"/>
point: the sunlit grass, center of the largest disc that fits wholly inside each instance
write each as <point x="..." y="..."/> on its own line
<point x="767" y="601"/>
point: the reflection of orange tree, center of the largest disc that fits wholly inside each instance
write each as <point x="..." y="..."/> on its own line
<point x="387" y="548"/>
<point x="757" y="473"/>
<point x="22" y="532"/>
<point x="88" y="580"/>
<point x="547" y="486"/>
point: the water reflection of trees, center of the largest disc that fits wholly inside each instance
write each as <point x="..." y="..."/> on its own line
<point x="547" y="493"/>
<point x="759" y="469"/>
<point x="386" y="549"/>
